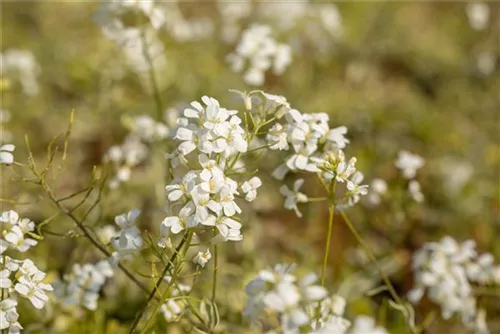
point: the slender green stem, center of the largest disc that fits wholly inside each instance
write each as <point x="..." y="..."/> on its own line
<point x="371" y="256"/>
<point x="167" y="268"/>
<point x="166" y="294"/>
<point x="214" y="280"/>
<point x="152" y="77"/>
<point x="316" y="199"/>
<point x="331" y="216"/>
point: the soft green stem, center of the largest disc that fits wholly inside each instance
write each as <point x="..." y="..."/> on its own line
<point x="214" y="280"/>
<point x="156" y="288"/>
<point x="152" y="78"/>
<point x="372" y="258"/>
<point x="331" y="215"/>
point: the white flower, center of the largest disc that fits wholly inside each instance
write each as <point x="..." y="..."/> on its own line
<point x="294" y="196"/>
<point x="260" y="52"/>
<point x="15" y="237"/>
<point x="129" y="241"/>
<point x="33" y="288"/>
<point x="202" y="258"/>
<point x="6" y="156"/>
<point x="250" y="188"/>
<point x="415" y="192"/>
<point x="176" y="224"/>
<point x="355" y="188"/>
<point x="20" y="66"/>
<point x="446" y="271"/>
<point x="478" y="14"/>
<point x="170" y="310"/>
<point x="337" y="137"/>
<point x="9" y="316"/>
<point x="5" y="281"/>
<point x="366" y="325"/>
<point x="378" y="188"/>
<point x="125" y="221"/>
<point x="82" y="285"/>
<point x="277" y="137"/>
<point x="409" y="163"/>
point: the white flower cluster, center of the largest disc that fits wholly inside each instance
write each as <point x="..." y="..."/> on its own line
<point x="133" y="151"/>
<point x="409" y="163"/>
<point x="20" y="66"/>
<point x="315" y="148"/>
<point x="129" y="241"/>
<point x="319" y="24"/>
<point x="378" y="188"/>
<point x="15" y="232"/>
<point x="300" y="305"/>
<point x="448" y="272"/>
<point x="184" y="29"/>
<point x="258" y="52"/>
<point x="81" y="287"/>
<point x="18" y="278"/>
<point x="137" y="39"/>
<point x="206" y="196"/>
<point x="174" y="306"/>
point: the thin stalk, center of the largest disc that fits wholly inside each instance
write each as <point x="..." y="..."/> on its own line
<point x="167" y="268"/>
<point x="152" y="77"/>
<point x="165" y="294"/>
<point x="331" y="216"/>
<point x="371" y="256"/>
<point x="214" y="280"/>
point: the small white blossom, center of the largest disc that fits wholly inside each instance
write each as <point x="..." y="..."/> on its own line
<point x="409" y="163"/>
<point x="294" y="196"/>
<point x="250" y="188"/>
<point x="6" y="156"/>
<point x="478" y="14"/>
<point x="202" y="258"/>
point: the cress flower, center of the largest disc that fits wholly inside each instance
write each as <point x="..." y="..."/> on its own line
<point x="6" y="156"/>
<point x="299" y="305"/>
<point x="128" y="241"/>
<point x="202" y="258"/>
<point x="293" y="196"/>
<point x="409" y="163"/>
<point x="250" y="188"/>
<point x="447" y="271"/>
<point x="81" y="287"/>
<point x="258" y="52"/>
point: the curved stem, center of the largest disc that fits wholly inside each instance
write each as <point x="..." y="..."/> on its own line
<point x="372" y="258"/>
<point x="167" y="268"/>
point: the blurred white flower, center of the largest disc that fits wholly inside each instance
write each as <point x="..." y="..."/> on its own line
<point x="409" y="163"/>
<point x="415" y="191"/>
<point x="21" y="66"/>
<point x="478" y="14"/>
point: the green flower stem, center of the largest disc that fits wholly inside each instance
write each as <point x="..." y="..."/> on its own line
<point x="167" y="268"/>
<point x="214" y="281"/>
<point x="331" y="210"/>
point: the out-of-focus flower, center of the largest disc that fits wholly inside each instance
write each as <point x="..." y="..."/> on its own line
<point x="409" y="163"/>
<point x="478" y="14"/>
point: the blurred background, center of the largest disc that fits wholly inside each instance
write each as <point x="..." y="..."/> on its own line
<point x="415" y="76"/>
